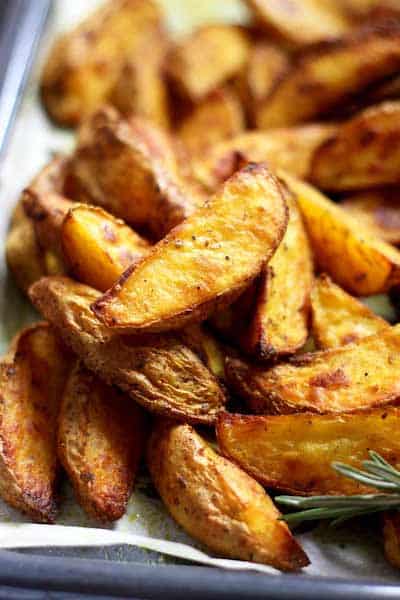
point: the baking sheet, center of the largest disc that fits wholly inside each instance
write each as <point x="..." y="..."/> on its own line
<point x="343" y="552"/>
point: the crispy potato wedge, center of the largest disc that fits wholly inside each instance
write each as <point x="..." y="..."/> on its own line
<point x="295" y="452"/>
<point x="290" y="149"/>
<point x="280" y="323"/>
<point x="84" y="64"/>
<point x="356" y="259"/>
<point x="379" y="210"/>
<point x="216" y="502"/>
<point x="338" y="318"/>
<point x="32" y="378"/>
<point x="204" y="263"/>
<point x="100" y="442"/>
<point x="130" y="169"/>
<point x="207" y="347"/>
<point x="159" y="372"/>
<point x="363" y="153"/>
<point x="97" y="247"/>
<point x="358" y="376"/>
<point x="324" y="77"/>
<point x="300" y="22"/>
<point x="216" y="118"/>
<point x="391" y="537"/>
<point x="205" y="59"/>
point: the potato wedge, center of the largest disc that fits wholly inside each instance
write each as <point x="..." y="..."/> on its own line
<point x="362" y="154"/>
<point x="294" y="452"/>
<point x="206" y="262"/>
<point x="130" y="169"/>
<point x="97" y="247"/>
<point x="85" y="63"/>
<point x="205" y="59"/>
<point x="216" y="118"/>
<point x="290" y="149"/>
<point x="32" y="378"/>
<point x="358" y="376"/>
<point x="160" y="373"/>
<point x="279" y="326"/>
<point x="379" y="210"/>
<point x="324" y="77"/>
<point x="356" y="259"/>
<point x="300" y="22"/>
<point x="216" y="502"/>
<point x="391" y="537"/>
<point x="338" y="318"/>
<point x="100" y="442"/>
<point x="207" y="347"/>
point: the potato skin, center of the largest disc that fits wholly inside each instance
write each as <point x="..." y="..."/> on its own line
<point x="97" y="247"/>
<point x="206" y="262"/>
<point x="160" y="373"/>
<point x="84" y="64"/>
<point x="338" y="318"/>
<point x="363" y="153"/>
<point x="32" y="378"/>
<point x="391" y="537"/>
<point x="216" y="502"/>
<point x="294" y="452"/>
<point x="100" y="442"/>
<point x="358" y="376"/>
<point x="355" y="258"/>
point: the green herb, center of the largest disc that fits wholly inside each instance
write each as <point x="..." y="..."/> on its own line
<point x="376" y="473"/>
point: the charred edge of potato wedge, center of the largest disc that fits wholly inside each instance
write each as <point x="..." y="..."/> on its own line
<point x="100" y="442"/>
<point x="253" y="197"/>
<point x="216" y="502"/>
<point x="161" y="373"/>
<point x="294" y="453"/>
<point x="32" y="378"/>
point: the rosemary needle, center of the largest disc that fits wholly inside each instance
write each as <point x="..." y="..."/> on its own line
<point x="377" y="473"/>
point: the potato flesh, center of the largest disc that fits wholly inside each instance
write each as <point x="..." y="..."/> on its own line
<point x="378" y="210"/>
<point x="192" y="64"/>
<point x="326" y="76"/>
<point x="363" y="153"/>
<point x="208" y="260"/>
<point x="98" y="247"/>
<point x="294" y="452"/>
<point x="32" y="377"/>
<point x="338" y="318"/>
<point x="280" y="322"/>
<point x="160" y="373"/>
<point x="357" y="376"/>
<point x="356" y="259"/>
<point x="100" y="439"/>
<point x="216" y="502"/>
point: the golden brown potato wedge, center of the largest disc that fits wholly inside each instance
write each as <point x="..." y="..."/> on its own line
<point x="216" y="118"/>
<point x="379" y="210"/>
<point x="300" y="22"/>
<point x="204" y="263"/>
<point x="97" y="247"/>
<point x="356" y="259"/>
<point x="207" y="347"/>
<point x="130" y="169"/>
<point x="205" y="59"/>
<point x="280" y="323"/>
<point x="85" y="63"/>
<point x="358" y="376"/>
<point x="338" y="318"/>
<point x="290" y="149"/>
<point x="100" y="442"/>
<point x="32" y="378"/>
<point x="295" y="452"/>
<point x="391" y="537"/>
<point x="159" y="372"/>
<point x="363" y="153"/>
<point x="216" y="502"/>
<point x="324" y="77"/>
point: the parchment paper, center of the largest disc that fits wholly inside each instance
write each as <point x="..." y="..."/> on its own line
<point x="354" y="552"/>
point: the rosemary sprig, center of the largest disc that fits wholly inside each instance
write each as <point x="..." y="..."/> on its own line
<point x="377" y="473"/>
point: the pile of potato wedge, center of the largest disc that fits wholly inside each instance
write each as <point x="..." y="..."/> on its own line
<point x="199" y="263"/>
